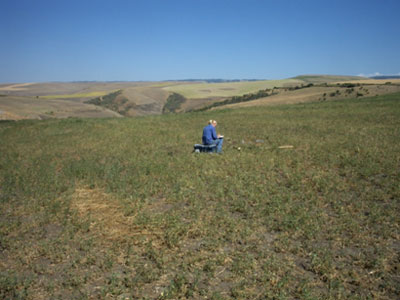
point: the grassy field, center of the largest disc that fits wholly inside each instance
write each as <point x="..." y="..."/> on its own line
<point x="121" y="208"/>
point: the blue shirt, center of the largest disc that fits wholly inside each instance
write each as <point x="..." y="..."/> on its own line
<point x="209" y="135"/>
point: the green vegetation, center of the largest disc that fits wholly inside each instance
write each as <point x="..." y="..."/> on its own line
<point x="173" y="104"/>
<point x="121" y="208"/>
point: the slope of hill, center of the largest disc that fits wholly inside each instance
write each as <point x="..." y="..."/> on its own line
<point x="201" y="95"/>
<point x="121" y="208"/>
<point x="228" y="89"/>
<point x="59" y="100"/>
<point x="329" y="92"/>
<point x="18" y="107"/>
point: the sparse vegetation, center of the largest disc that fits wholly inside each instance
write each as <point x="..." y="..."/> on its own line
<point x="120" y="208"/>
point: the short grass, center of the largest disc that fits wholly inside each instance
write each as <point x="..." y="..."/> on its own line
<point x="79" y="95"/>
<point x="121" y="208"/>
<point x="228" y="89"/>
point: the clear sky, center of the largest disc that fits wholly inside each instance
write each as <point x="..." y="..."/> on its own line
<point x="74" y="40"/>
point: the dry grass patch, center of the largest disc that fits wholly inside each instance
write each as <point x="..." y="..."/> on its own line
<point x="106" y="214"/>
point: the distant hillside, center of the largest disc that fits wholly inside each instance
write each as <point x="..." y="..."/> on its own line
<point x="326" y="78"/>
<point x="81" y="99"/>
<point x="386" y="77"/>
<point x="72" y="99"/>
<point x="228" y="89"/>
<point x="216" y="80"/>
<point x="312" y="93"/>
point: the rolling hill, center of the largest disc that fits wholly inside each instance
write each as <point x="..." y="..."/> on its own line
<point x="86" y="99"/>
<point x="324" y="92"/>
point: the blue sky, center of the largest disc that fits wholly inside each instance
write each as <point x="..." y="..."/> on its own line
<point x="75" y="40"/>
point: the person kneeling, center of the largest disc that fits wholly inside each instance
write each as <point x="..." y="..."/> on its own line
<point x="210" y="136"/>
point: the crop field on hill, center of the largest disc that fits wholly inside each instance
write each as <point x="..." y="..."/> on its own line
<point x="228" y="89"/>
<point x="121" y="208"/>
<point x="78" y="95"/>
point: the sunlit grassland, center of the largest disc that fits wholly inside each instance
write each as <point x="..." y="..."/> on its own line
<point x="78" y="95"/>
<point x="121" y="208"/>
<point x="228" y="89"/>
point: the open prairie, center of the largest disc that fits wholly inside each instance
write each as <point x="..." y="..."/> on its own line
<point x="302" y="204"/>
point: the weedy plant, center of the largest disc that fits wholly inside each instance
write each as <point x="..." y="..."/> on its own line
<point x="107" y="208"/>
